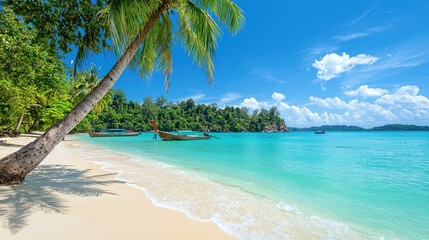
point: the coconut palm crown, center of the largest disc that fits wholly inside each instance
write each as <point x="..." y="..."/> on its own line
<point x="195" y="29"/>
<point x="83" y="83"/>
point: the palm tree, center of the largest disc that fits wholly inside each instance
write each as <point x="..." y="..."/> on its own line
<point x="142" y="33"/>
<point x="84" y="83"/>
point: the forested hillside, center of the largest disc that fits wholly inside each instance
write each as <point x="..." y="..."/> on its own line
<point x="400" y="127"/>
<point x="180" y="116"/>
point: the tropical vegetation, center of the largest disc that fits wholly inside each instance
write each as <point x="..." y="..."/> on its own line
<point x="183" y="115"/>
<point x="33" y="82"/>
<point x="142" y="34"/>
<point x="400" y="127"/>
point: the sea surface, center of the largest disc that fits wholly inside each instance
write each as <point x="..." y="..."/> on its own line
<point x="297" y="185"/>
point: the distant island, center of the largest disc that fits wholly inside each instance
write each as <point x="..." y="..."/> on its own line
<point x="387" y="127"/>
<point x="182" y="115"/>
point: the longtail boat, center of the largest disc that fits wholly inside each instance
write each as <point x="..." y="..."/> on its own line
<point x="166" y="136"/>
<point x="113" y="133"/>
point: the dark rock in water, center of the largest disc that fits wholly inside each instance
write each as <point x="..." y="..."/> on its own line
<point x="275" y="128"/>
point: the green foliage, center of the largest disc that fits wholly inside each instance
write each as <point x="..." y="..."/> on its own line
<point x="53" y="113"/>
<point x="31" y="77"/>
<point x="195" y="30"/>
<point x="83" y="83"/>
<point x="400" y="127"/>
<point x="185" y="115"/>
<point x="63" y="24"/>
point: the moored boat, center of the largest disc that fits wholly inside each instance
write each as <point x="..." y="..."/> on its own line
<point x="166" y="136"/>
<point x="113" y="133"/>
<point x="319" y="132"/>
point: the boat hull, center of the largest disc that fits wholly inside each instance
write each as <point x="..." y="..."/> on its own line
<point x="166" y="136"/>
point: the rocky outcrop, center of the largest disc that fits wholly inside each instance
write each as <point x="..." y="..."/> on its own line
<point x="275" y="128"/>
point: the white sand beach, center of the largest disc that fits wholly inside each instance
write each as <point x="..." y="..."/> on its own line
<point x="68" y="198"/>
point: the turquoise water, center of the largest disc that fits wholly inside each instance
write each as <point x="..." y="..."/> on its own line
<point x="341" y="185"/>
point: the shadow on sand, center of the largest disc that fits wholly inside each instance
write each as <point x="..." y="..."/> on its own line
<point x="41" y="192"/>
<point x="31" y="134"/>
<point x="6" y="144"/>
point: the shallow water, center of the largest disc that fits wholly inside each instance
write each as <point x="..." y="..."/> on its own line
<point x="340" y="185"/>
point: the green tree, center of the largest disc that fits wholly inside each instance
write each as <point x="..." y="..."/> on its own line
<point x="86" y="81"/>
<point x="161" y="101"/>
<point x="83" y="83"/>
<point x="65" y="24"/>
<point x="31" y="77"/>
<point x="142" y="33"/>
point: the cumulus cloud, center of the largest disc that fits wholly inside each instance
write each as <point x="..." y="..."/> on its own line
<point x="403" y="104"/>
<point x="332" y="64"/>
<point x="365" y="92"/>
<point x="331" y="103"/>
<point x="278" y="96"/>
<point x="405" y="97"/>
<point x="407" y="90"/>
<point x="253" y="104"/>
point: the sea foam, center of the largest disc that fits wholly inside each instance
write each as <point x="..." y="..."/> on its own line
<point x="238" y="212"/>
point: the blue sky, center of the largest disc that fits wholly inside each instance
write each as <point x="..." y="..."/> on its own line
<point x="360" y="63"/>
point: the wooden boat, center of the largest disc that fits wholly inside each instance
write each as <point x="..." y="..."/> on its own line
<point x="113" y="133"/>
<point x="319" y="132"/>
<point x="166" y="136"/>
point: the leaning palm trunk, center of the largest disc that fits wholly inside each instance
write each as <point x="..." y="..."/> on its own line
<point x="14" y="167"/>
<point x="18" y="124"/>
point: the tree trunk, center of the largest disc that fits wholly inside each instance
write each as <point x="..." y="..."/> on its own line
<point x="14" y="167"/>
<point x="32" y="125"/>
<point x="18" y="124"/>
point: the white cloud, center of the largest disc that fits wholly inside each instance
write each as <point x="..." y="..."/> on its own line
<point x="365" y="92"/>
<point x="409" y="54"/>
<point x="400" y="105"/>
<point x="331" y="103"/>
<point x="278" y="96"/>
<point x="357" y="109"/>
<point x="407" y="90"/>
<point x="405" y="98"/>
<point x="253" y="104"/>
<point x="269" y="76"/>
<point x="332" y="65"/>
<point x="284" y="106"/>
<point x="361" y="17"/>
<point x="351" y="36"/>
<point x="229" y="97"/>
<point x="194" y="97"/>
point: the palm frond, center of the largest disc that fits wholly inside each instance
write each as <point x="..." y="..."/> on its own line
<point x="198" y="33"/>
<point x="164" y="40"/>
<point x="227" y="12"/>
<point x="145" y="57"/>
<point x="89" y="42"/>
<point x="84" y="83"/>
<point x="126" y="18"/>
<point x="81" y="55"/>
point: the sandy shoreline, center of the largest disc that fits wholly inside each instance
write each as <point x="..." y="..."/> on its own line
<point x="67" y="198"/>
